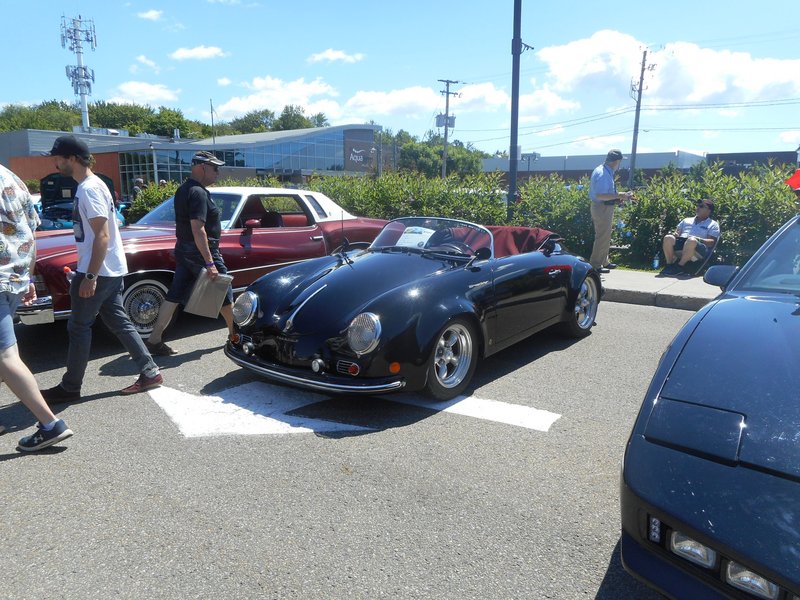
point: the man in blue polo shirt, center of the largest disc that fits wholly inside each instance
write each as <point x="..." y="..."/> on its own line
<point x="604" y="196"/>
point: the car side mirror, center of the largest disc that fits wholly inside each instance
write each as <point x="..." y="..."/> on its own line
<point x="252" y="223"/>
<point x="483" y="253"/>
<point x="720" y="275"/>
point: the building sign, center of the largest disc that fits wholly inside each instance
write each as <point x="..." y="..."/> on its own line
<point x="359" y="156"/>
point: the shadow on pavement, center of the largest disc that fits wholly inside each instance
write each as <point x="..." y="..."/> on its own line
<point x="617" y="583"/>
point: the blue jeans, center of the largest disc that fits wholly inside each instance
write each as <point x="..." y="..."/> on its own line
<point x="106" y="302"/>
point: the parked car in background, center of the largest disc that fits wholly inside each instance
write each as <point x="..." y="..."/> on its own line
<point x="262" y="229"/>
<point x="710" y="489"/>
<point x="56" y="201"/>
<point x="414" y="311"/>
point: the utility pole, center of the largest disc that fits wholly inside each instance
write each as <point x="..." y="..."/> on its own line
<point x="447" y="93"/>
<point x="73" y="35"/>
<point x="637" y="90"/>
<point x="516" y="51"/>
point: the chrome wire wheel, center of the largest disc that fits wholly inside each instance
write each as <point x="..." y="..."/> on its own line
<point x="453" y="357"/>
<point x="586" y="304"/>
<point x="142" y="300"/>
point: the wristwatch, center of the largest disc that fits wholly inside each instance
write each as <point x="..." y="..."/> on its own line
<point x="91" y="276"/>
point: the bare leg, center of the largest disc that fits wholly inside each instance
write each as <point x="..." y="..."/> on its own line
<point x="227" y="314"/>
<point x="688" y="251"/>
<point x="22" y="383"/>
<point x="164" y="317"/>
<point x="668" y="245"/>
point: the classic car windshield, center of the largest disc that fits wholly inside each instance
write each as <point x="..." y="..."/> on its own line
<point x="164" y="213"/>
<point x="778" y="269"/>
<point x="423" y="233"/>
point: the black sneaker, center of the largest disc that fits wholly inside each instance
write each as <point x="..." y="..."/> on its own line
<point x="43" y="439"/>
<point x="59" y="394"/>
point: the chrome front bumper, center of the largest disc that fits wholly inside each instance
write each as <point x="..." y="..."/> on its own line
<point x="297" y="378"/>
<point x="41" y="311"/>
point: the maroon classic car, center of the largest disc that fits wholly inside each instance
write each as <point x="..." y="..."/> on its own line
<point x="262" y="229"/>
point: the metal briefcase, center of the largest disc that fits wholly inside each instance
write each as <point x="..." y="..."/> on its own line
<point x="208" y="295"/>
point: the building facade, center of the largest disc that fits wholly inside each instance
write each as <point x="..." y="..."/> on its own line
<point x="289" y="155"/>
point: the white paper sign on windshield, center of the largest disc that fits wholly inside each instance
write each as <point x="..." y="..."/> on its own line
<point x="415" y="237"/>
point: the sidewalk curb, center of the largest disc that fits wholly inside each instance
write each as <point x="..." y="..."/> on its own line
<point x="660" y="299"/>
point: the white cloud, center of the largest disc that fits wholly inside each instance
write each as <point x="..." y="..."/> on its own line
<point x="143" y="60"/>
<point x="331" y="55"/>
<point x="790" y="137"/>
<point x="413" y="103"/>
<point x="480" y="97"/>
<point x="223" y="82"/>
<point x="151" y="15"/>
<point x="139" y="92"/>
<point x="274" y="94"/>
<point x="198" y="53"/>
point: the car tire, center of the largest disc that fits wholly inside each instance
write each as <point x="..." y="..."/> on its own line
<point x="582" y="315"/>
<point x="142" y="299"/>
<point x="453" y="360"/>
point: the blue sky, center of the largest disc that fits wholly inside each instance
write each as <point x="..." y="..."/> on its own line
<point x="721" y="77"/>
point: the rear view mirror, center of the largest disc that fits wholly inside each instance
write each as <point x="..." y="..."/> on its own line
<point x="252" y="223"/>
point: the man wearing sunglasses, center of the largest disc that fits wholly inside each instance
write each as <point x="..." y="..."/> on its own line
<point x="694" y="238"/>
<point x="197" y="231"/>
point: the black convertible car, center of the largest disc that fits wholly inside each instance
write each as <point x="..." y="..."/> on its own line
<point x="710" y="491"/>
<point x="414" y="310"/>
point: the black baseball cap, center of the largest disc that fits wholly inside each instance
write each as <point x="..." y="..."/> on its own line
<point x="614" y="155"/>
<point x="206" y="157"/>
<point x="69" y="145"/>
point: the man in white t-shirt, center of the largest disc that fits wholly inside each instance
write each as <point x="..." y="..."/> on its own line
<point x="695" y="237"/>
<point x="96" y="288"/>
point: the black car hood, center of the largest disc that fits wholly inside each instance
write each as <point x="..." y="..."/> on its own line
<point x="741" y="368"/>
<point x="339" y="289"/>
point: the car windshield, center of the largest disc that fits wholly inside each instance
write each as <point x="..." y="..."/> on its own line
<point x="778" y="268"/>
<point x="437" y="235"/>
<point x="164" y="213"/>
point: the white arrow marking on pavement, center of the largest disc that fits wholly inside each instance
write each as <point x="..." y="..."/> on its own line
<point x="260" y="409"/>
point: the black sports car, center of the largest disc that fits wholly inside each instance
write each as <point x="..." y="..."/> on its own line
<point x="412" y="311"/>
<point x="710" y="490"/>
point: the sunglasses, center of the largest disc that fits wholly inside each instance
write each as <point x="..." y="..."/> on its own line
<point x="701" y="203"/>
<point x="215" y="167"/>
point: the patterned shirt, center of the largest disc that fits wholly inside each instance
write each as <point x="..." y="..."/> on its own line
<point x="18" y="221"/>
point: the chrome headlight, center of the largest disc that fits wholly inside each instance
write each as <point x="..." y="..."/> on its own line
<point x="245" y="308"/>
<point x="364" y="333"/>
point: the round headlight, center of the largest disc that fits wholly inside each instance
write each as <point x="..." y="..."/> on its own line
<point x="244" y="309"/>
<point x="364" y="333"/>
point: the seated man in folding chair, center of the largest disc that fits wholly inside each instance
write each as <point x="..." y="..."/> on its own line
<point x="693" y="240"/>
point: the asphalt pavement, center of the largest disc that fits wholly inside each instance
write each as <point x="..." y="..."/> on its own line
<point x="649" y="288"/>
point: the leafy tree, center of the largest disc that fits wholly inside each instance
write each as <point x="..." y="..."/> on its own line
<point x="292" y="117"/>
<point x="319" y="120"/>
<point x="166" y="121"/>
<point x="255" y="121"/>
<point x="131" y="117"/>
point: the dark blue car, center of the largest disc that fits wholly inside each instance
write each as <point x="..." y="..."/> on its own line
<point x="710" y="490"/>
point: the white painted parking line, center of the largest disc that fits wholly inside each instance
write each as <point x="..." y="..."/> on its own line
<point x="249" y="409"/>
<point x="259" y="408"/>
<point x="489" y="410"/>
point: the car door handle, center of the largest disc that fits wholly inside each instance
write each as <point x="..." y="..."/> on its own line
<point x="554" y="272"/>
<point x="315" y="238"/>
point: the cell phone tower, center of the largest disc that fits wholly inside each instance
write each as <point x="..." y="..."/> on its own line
<point x="73" y="33"/>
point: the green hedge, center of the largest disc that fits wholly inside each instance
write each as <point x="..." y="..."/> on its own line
<point x="749" y="206"/>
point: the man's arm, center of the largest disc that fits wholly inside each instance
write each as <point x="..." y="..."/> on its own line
<point x="201" y="241"/>
<point x="99" y="226"/>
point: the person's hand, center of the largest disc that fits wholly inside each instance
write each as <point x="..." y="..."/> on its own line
<point x="87" y="287"/>
<point x="212" y="271"/>
<point x="30" y="295"/>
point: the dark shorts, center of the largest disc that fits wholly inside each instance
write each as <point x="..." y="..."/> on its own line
<point x="701" y="250"/>
<point x="189" y="263"/>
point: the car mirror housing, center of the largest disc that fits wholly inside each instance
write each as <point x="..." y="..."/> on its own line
<point x="720" y="275"/>
<point x="252" y="223"/>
